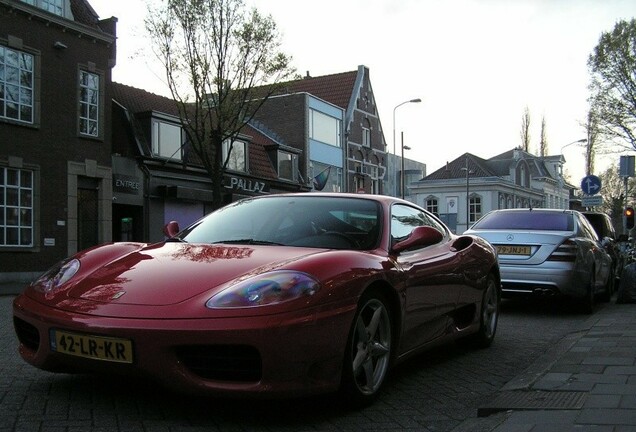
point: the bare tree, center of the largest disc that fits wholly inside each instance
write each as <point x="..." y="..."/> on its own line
<point x="525" y="130"/>
<point x="221" y="63"/>
<point x="612" y="65"/>
<point x="592" y="143"/>
<point x="543" y="144"/>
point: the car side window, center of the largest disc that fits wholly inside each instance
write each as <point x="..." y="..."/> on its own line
<point x="405" y="218"/>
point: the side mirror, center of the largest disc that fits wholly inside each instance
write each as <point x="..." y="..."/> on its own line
<point x="171" y="229"/>
<point x="421" y="236"/>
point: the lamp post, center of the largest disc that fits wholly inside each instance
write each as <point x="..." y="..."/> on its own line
<point x="417" y="100"/>
<point x="402" y="161"/>
<point x="467" y="193"/>
<point x="582" y="140"/>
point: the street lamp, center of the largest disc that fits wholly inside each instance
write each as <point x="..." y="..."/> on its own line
<point x="417" y="100"/>
<point x="582" y="140"/>
<point x="467" y="193"/>
<point x="402" y="171"/>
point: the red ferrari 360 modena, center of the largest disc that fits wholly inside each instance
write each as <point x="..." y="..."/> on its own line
<point x="275" y="296"/>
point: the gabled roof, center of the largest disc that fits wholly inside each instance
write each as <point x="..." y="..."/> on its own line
<point x="497" y="166"/>
<point x="477" y="166"/>
<point x="138" y="101"/>
<point x="336" y="88"/>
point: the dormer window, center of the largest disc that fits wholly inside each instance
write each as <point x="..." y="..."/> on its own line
<point x="237" y="155"/>
<point x="167" y="140"/>
<point x="287" y="165"/>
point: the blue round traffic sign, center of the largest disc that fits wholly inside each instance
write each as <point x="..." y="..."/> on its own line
<point x="591" y="185"/>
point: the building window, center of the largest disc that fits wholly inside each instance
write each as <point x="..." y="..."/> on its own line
<point x="16" y="85"/>
<point x="475" y="208"/>
<point x="432" y="205"/>
<point x="324" y="128"/>
<point x="16" y="207"/>
<point x="89" y="104"/>
<point x="523" y="177"/>
<point x="238" y="155"/>
<point x="53" y="6"/>
<point x="166" y="140"/>
<point x="287" y="166"/>
<point x="366" y="137"/>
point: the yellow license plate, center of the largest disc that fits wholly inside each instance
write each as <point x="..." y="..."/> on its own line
<point x="95" y="347"/>
<point x="513" y="250"/>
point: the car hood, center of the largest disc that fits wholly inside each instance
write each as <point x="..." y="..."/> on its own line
<point x="170" y="273"/>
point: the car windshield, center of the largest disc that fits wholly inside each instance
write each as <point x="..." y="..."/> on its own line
<point x="304" y="221"/>
<point x="526" y="220"/>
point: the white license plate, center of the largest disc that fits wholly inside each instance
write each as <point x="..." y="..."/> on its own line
<point x="96" y="347"/>
<point x="513" y="250"/>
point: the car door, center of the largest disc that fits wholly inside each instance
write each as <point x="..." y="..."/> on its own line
<point x="431" y="282"/>
<point x="602" y="260"/>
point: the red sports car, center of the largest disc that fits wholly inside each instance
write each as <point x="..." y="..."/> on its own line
<point x="279" y="295"/>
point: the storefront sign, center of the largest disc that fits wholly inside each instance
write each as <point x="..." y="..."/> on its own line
<point x="246" y="185"/>
<point x="126" y="184"/>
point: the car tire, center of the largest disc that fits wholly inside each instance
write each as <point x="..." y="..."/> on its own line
<point x="368" y="352"/>
<point x="488" y="316"/>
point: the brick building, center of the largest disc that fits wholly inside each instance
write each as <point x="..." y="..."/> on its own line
<point x="55" y="151"/>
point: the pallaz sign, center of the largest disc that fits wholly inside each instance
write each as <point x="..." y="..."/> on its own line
<point x="240" y="184"/>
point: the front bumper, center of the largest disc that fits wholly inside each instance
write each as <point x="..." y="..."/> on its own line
<point x="295" y="353"/>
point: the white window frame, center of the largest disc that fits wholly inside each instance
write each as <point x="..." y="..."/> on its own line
<point x="366" y="137"/>
<point x="89" y="103"/>
<point x="284" y="156"/>
<point x="432" y="204"/>
<point x="238" y="155"/>
<point x="18" y="84"/>
<point x="475" y="208"/>
<point x="58" y="7"/>
<point x="324" y="128"/>
<point x="17" y="197"/>
<point x="161" y="147"/>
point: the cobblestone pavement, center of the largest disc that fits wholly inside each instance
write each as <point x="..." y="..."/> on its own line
<point x="435" y="391"/>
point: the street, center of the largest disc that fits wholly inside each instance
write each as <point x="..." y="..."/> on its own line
<point x="434" y="391"/>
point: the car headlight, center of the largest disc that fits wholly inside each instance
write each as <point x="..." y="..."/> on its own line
<point x="57" y="275"/>
<point x="266" y="289"/>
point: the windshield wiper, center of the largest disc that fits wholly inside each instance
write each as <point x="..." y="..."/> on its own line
<point x="176" y="240"/>
<point x="249" y="241"/>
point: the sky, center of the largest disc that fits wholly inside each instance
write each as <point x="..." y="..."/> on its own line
<point x="475" y="64"/>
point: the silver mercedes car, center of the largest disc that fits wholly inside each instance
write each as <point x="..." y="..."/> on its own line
<point x="548" y="252"/>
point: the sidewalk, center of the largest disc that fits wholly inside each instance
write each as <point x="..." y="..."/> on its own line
<point x="587" y="382"/>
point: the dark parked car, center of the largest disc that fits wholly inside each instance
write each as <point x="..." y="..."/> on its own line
<point x="604" y="228"/>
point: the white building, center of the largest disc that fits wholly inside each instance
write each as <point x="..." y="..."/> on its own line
<point x="469" y="186"/>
